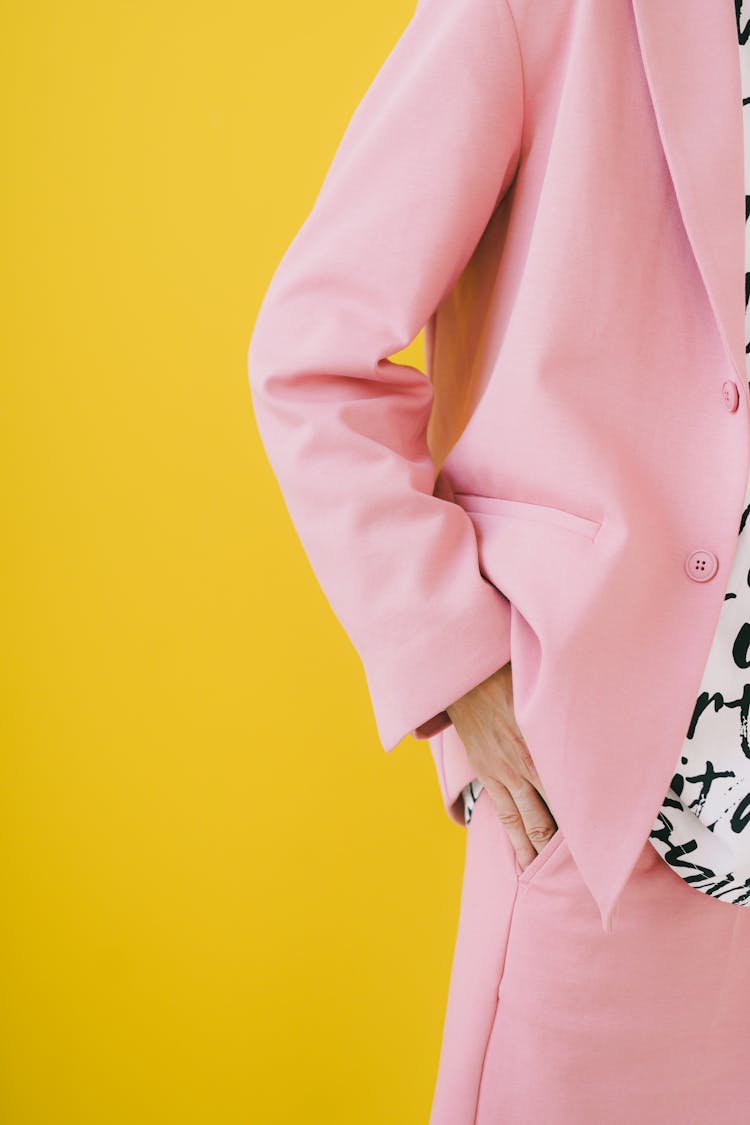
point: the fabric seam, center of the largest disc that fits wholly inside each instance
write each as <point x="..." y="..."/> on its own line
<point x="493" y="1022"/>
<point x="519" y="52"/>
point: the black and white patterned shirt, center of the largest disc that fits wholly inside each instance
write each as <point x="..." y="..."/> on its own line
<point x="702" y="829"/>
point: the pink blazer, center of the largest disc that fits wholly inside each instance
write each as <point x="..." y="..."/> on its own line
<point x="557" y="198"/>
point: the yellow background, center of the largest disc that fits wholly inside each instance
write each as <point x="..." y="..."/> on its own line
<point x="222" y="902"/>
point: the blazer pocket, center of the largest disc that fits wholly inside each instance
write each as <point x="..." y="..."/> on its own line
<point x="525" y="510"/>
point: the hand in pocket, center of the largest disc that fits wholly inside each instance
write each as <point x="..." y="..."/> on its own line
<point x="485" y="722"/>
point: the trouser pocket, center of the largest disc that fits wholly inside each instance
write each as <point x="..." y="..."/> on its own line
<point x="524" y="874"/>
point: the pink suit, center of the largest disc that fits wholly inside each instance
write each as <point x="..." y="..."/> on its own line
<point x="558" y="199"/>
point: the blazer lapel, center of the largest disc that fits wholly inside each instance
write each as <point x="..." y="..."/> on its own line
<point x="691" y="61"/>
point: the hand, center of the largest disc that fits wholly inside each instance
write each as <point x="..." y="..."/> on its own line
<point x="485" y="722"/>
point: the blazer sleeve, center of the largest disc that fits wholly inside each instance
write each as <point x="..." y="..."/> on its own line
<point x="425" y="158"/>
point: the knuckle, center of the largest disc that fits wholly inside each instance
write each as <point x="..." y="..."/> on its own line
<point x="542" y="834"/>
<point x="509" y="818"/>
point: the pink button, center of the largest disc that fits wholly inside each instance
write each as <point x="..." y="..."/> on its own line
<point x="731" y="395"/>
<point x="701" y="565"/>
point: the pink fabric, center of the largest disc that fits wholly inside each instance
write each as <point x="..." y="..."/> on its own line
<point x="559" y="202"/>
<point x="454" y="770"/>
<point x="549" y="1019"/>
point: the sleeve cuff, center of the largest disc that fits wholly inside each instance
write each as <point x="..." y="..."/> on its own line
<point x="409" y="694"/>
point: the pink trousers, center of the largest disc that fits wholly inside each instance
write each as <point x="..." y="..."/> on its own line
<point x="552" y="1021"/>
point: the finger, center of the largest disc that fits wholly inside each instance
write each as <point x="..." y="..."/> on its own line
<point x="527" y="767"/>
<point x="539" y="823"/>
<point x="510" y="817"/>
<point x="525" y="760"/>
